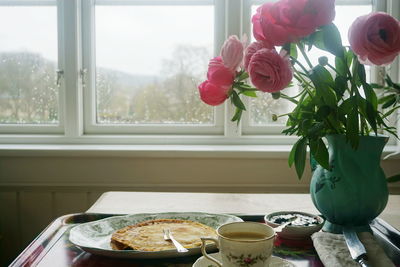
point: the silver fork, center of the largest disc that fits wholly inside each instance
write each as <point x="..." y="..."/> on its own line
<point x="168" y="236"/>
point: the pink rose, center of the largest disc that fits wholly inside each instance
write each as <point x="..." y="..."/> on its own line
<point x="232" y="53"/>
<point x="375" y="38"/>
<point x="218" y="74"/>
<point x="270" y="72"/>
<point x="288" y="20"/>
<point x="213" y="95"/>
<point x="251" y="50"/>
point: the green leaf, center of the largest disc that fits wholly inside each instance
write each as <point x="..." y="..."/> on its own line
<point x="249" y="93"/>
<point x="237" y="101"/>
<point x="352" y="127"/>
<point x="358" y="72"/>
<point x="334" y="123"/>
<point x="386" y="98"/>
<point x="316" y="129"/>
<point x="322" y="113"/>
<point x="332" y="40"/>
<point x="349" y="55"/>
<point x="323" y="83"/>
<point x="243" y="86"/>
<point x="293" y="50"/>
<point x="322" y="75"/>
<point x="237" y="116"/>
<point x="376" y="86"/>
<point x="317" y="39"/>
<point x="371" y="106"/>
<point x="371" y="114"/>
<point x="243" y="75"/>
<point x="391" y="83"/>
<point x="390" y="112"/>
<point x="393" y="179"/>
<point x="292" y="153"/>
<point x="346" y="106"/>
<point x="300" y="157"/>
<point x="340" y="86"/>
<point x="370" y="95"/>
<point x="361" y="73"/>
<point x="392" y="100"/>
<point x="341" y="66"/>
<point x="320" y="153"/>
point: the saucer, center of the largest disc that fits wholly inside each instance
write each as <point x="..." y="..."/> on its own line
<point x="275" y="261"/>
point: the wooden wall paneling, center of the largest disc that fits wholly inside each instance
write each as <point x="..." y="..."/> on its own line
<point x="10" y="238"/>
<point x="70" y="202"/>
<point x="37" y="211"/>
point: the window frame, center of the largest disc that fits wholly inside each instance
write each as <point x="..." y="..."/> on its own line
<point x="32" y="128"/>
<point x="89" y="67"/>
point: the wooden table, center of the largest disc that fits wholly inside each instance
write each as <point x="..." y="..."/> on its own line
<point x="144" y="202"/>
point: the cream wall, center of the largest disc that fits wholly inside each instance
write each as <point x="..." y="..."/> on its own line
<point x="35" y="190"/>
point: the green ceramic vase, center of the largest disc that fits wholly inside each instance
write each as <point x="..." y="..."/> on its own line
<point x="354" y="191"/>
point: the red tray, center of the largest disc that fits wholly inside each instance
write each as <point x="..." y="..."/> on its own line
<point x="52" y="248"/>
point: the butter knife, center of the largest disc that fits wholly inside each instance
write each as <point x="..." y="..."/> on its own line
<point x="356" y="248"/>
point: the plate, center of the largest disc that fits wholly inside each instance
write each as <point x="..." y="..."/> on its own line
<point x="94" y="237"/>
<point x="275" y="261"/>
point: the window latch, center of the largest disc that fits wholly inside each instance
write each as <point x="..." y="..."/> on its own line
<point x="82" y="73"/>
<point x="60" y="73"/>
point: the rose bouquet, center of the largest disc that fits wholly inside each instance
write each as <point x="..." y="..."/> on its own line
<point x="334" y="97"/>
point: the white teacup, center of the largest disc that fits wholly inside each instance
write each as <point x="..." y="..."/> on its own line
<point x="242" y="244"/>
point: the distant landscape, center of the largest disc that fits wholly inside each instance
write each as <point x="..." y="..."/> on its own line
<point x="28" y="93"/>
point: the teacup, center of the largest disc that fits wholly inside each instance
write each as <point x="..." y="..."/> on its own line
<point x="242" y="244"/>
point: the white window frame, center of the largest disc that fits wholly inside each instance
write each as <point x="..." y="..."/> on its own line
<point x="31" y="128"/>
<point x="89" y="65"/>
<point x="76" y="20"/>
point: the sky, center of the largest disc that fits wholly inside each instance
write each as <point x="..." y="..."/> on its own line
<point x="133" y="39"/>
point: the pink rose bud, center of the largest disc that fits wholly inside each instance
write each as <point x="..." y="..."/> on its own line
<point x="289" y="20"/>
<point x="270" y="72"/>
<point x="211" y="94"/>
<point x="232" y="53"/>
<point x="375" y="38"/>
<point x="251" y="50"/>
<point x="219" y="74"/>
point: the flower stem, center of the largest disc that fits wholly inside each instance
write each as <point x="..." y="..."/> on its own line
<point x="301" y="48"/>
<point x="291" y="99"/>
<point x="298" y="63"/>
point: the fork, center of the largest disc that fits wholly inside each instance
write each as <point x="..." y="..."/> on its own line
<point x="168" y="236"/>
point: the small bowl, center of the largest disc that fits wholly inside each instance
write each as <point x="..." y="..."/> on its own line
<point x="295" y="231"/>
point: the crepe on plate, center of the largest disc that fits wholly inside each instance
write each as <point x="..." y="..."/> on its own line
<point x="148" y="235"/>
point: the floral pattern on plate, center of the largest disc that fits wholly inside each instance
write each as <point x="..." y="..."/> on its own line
<point x="94" y="237"/>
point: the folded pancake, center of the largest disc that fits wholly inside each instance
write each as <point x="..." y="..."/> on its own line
<point x="148" y="235"/>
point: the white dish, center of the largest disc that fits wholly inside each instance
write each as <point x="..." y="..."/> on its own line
<point x="275" y="262"/>
<point x="296" y="232"/>
<point x="94" y="237"/>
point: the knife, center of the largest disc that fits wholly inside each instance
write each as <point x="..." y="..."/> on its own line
<point x="356" y="248"/>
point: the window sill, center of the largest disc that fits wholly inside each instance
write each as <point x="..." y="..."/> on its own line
<point x="156" y="151"/>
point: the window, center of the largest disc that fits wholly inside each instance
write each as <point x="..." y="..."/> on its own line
<point x="149" y="59"/>
<point x="29" y="93"/>
<point x="126" y="71"/>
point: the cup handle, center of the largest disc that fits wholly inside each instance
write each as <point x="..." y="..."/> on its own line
<point x="204" y="252"/>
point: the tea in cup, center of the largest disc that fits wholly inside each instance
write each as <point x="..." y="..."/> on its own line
<point x="242" y="244"/>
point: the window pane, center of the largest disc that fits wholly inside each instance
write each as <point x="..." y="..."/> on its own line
<point x="28" y="62"/>
<point x="149" y="60"/>
<point x="263" y="107"/>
